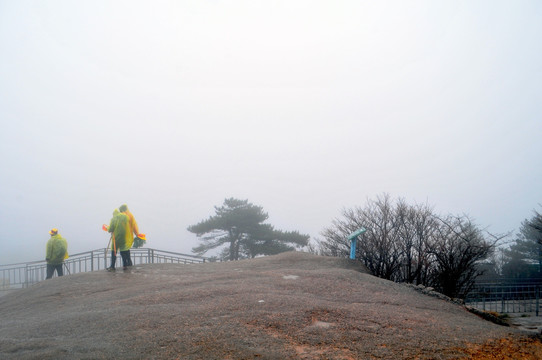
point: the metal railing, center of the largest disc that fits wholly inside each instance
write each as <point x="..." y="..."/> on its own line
<point x="506" y="298"/>
<point x="22" y="275"/>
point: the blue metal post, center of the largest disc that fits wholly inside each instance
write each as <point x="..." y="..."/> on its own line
<point x="353" y="241"/>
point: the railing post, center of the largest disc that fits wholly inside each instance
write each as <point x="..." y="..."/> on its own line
<point x="26" y="276"/>
<point x="537" y="298"/>
<point x="502" y="302"/>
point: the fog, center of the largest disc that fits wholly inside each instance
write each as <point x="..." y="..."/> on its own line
<point x="301" y="107"/>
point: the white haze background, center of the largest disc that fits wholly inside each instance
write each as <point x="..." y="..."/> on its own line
<point x="301" y="107"/>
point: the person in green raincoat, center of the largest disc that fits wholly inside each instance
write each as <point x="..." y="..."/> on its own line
<point x="119" y="228"/>
<point x="56" y="251"/>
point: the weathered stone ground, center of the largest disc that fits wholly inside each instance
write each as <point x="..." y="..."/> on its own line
<point x="527" y="321"/>
<point x="288" y="306"/>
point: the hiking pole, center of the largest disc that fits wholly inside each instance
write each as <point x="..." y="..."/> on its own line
<point x="111" y="238"/>
<point x="114" y="247"/>
<point x="113" y="250"/>
<point x="108" y="244"/>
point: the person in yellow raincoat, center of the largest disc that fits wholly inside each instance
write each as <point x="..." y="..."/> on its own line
<point x="56" y="251"/>
<point x="131" y="230"/>
<point x="119" y="227"/>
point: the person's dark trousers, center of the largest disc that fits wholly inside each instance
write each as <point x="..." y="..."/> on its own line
<point x="51" y="270"/>
<point x="126" y="259"/>
<point x="113" y="259"/>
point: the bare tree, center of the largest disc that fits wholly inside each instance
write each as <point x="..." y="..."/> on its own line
<point x="410" y="243"/>
<point x="458" y="249"/>
<point x="335" y="241"/>
<point x="379" y="249"/>
<point x="418" y="227"/>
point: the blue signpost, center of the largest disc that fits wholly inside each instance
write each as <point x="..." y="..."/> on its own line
<point x="353" y="240"/>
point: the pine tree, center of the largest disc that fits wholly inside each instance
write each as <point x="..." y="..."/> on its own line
<point x="240" y="225"/>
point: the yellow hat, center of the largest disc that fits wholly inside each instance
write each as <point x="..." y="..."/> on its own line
<point x="53" y="231"/>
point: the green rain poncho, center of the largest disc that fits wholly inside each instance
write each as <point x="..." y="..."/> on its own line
<point x="120" y="227"/>
<point x="56" y="250"/>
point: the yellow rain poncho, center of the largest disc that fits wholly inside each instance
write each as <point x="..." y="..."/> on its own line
<point x="133" y="224"/>
<point x="56" y="250"/>
<point x="122" y="234"/>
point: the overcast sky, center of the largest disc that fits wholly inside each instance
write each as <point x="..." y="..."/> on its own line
<point x="301" y="107"/>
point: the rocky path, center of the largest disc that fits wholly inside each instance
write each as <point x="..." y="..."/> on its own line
<point x="288" y="306"/>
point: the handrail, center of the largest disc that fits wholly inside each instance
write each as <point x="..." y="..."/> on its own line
<point x="506" y="298"/>
<point x="22" y="275"/>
